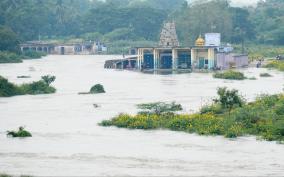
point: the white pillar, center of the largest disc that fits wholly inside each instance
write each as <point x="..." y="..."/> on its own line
<point x="174" y="58"/>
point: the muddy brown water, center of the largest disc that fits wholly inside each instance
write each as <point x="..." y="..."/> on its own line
<point x="68" y="142"/>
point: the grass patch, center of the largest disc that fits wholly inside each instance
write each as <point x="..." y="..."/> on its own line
<point x="276" y="64"/>
<point x="21" y="133"/>
<point x="8" y="89"/>
<point x="265" y="75"/>
<point x="229" y="116"/>
<point x="230" y="75"/>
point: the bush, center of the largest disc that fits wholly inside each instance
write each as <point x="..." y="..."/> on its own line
<point x="230" y="75"/>
<point x="159" y="108"/>
<point x="22" y="133"/>
<point x="275" y="64"/>
<point x="48" y="79"/>
<point x="265" y="75"/>
<point x="33" y="55"/>
<point x="8" y="57"/>
<point x="8" y="89"/>
<point x="229" y="98"/>
<point x="97" y="89"/>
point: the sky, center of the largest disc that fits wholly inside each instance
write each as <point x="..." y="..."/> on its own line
<point x="244" y="2"/>
<point x="241" y="2"/>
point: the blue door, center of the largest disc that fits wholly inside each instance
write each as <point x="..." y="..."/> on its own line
<point x="201" y="63"/>
<point x="148" y="61"/>
<point x="184" y="60"/>
<point x="166" y="62"/>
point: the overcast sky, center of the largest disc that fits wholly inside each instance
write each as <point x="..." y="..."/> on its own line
<point x="240" y="2"/>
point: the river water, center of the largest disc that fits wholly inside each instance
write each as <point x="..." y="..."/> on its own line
<point x="68" y="142"/>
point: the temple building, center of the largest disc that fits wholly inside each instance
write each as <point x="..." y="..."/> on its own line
<point x="207" y="53"/>
<point x="203" y="55"/>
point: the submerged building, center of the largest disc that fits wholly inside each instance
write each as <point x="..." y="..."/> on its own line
<point x="82" y="48"/>
<point x="205" y="54"/>
<point x="169" y="55"/>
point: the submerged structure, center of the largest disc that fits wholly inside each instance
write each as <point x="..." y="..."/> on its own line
<point x="79" y="48"/>
<point x="169" y="55"/>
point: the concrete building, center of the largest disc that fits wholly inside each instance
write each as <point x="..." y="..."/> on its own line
<point x="205" y="54"/>
<point x="83" y="48"/>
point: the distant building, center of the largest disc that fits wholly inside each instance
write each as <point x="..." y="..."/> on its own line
<point x="84" y="48"/>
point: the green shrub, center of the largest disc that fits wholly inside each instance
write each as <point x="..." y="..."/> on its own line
<point x="37" y="88"/>
<point x="32" y="55"/>
<point x="97" y="89"/>
<point x="48" y="79"/>
<point x="22" y="133"/>
<point x="276" y="64"/>
<point x="8" y="89"/>
<point x="230" y="75"/>
<point x="265" y="75"/>
<point x="8" y="57"/>
<point x="159" y="108"/>
<point x="215" y="109"/>
<point x="234" y="131"/>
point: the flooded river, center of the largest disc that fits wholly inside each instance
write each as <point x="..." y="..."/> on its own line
<point x="68" y="142"/>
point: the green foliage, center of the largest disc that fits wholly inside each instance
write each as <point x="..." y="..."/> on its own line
<point x="22" y="133"/>
<point x="9" y="40"/>
<point x="159" y="108"/>
<point x="265" y="75"/>
<point x="229" y="98"/>
<point x="230" y="75"/>
<point x="8" y="57"/>
<point x="263" y="118"/>
<point x="37" y="88"/>
<point x="91" y="20"/>
<point x="32" y="55"/>
<point x="48" y="79"/>
<point x="5" y="175"/>
<point x="275" y="64"/>
<point x="98" y="88"/>
<point x="8" y="89"/>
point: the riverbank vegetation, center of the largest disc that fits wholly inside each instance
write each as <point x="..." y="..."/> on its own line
<point x="8" y="89"/>
<point x="230" y="75"/>
<point x="276" y="64"/>
<point x="9" y="48"/>
<point x="5" y="175"/>
<point x="21" y="133"/>
<point x="230" y="116"/>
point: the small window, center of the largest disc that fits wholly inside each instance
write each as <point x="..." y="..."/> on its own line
<point x="206" y="62"/>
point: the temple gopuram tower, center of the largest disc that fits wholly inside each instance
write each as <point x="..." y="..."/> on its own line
<point x="168" y="37"/>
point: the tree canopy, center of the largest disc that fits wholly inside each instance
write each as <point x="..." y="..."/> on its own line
<point x="113" y="20"/>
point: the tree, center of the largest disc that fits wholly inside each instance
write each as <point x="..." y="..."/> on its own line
<point x="229" y="99"/>
<point x="8" y="40"/>
<point x="48" y="79"/>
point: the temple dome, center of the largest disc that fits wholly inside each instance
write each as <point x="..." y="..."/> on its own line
<point x="200" y="41"/>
